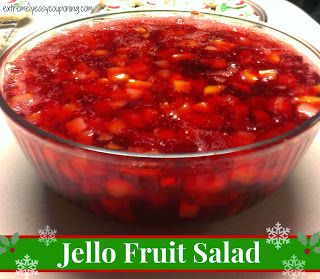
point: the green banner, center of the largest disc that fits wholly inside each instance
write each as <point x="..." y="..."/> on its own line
<point x="159" y="253"/>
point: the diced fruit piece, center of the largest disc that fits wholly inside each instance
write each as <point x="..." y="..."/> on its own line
<point x="116" y="126"/>
<point x="134" y="93"/>
<point x="183" y="56"/>
<point x="113" y="146"/>
<point x="134" y="119"/>
<point x="164" y="64"/>
<point x="182" y="86"/>
<point x="70" y="108"/>
<point x="245" y="174"/>
<point x="165" y="74"/>
<point x="143" y="31"/>
<point x="19" y="102"/>
<point x="197" y="186"/>
<point x="249" y="77"/>
<point x="280" y="106"/>
<point x="307" y="110"/>
<point x="117" y="104"/>
<point x="308" y="99"/>
<point x="201" y="107"/>
<point x="274" y="57"/>
<point x="101" y="52"/>
<point x="211" y="48"/>
<point x="84" y="75"/>
<point x="133" y="83"/>
<point x="116" y="71"/>
<point x="267" y="75"/>
<point x="188" y="210"/>
<point x="149" y="115"/>
<point x="104" y="136"/>
<point x="76" y="125"/>
<point x="119" y="77"/>
<point x="287" y="80"/>
<point x="218" y="63"/>
<point x="103" y="81"/>
<point x="316" y="88"/>
<point x="222" y="45"/>
<point x="213" y="89"/>
<point x="35" y="117"/>
<point x="190" y="43"/>
<point x="119" y="188"/>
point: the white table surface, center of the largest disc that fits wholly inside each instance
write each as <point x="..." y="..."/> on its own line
<point x="26" y="205"/>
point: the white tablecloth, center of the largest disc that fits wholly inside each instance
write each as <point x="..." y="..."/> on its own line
<point x="26" y="205"/>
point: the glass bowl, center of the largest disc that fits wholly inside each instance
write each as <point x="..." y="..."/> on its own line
<point x="153" y="188"/>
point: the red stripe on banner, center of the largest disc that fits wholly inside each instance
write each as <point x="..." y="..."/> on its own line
<point x="161" y="271"/>
<point x="145" y="271"/>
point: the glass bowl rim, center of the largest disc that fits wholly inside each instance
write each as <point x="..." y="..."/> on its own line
<point x="23" y="123"/>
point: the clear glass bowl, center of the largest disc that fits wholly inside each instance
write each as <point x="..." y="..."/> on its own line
<point x="161" y="187"/>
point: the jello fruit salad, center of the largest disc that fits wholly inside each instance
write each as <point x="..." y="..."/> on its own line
<point x="163" y="117"/>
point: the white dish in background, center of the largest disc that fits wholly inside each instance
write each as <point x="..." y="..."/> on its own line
<point x="243" y="8"/>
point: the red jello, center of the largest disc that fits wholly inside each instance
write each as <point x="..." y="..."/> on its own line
<point x="156" y="85"/>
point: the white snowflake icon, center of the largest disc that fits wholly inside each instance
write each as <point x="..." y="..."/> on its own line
<point x="47" y="235"/>
<point x="27" y="267"/>
<point x="293" y="268"/>
<point x="278" y="235"/>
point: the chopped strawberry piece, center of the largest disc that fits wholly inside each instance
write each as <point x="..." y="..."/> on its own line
<point x="223" y="45"/>
<point x="116" y="126"/>
<point x="119" y="188"/>
<point x="134" y="93"/>
<point x="218" y="63"/>
<point x="307" y="110"/>
<point x="20" y="102"/>
<point x="245" y="175"/>
<point x="280" y="106"/>
<point x="76" y="125"/>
